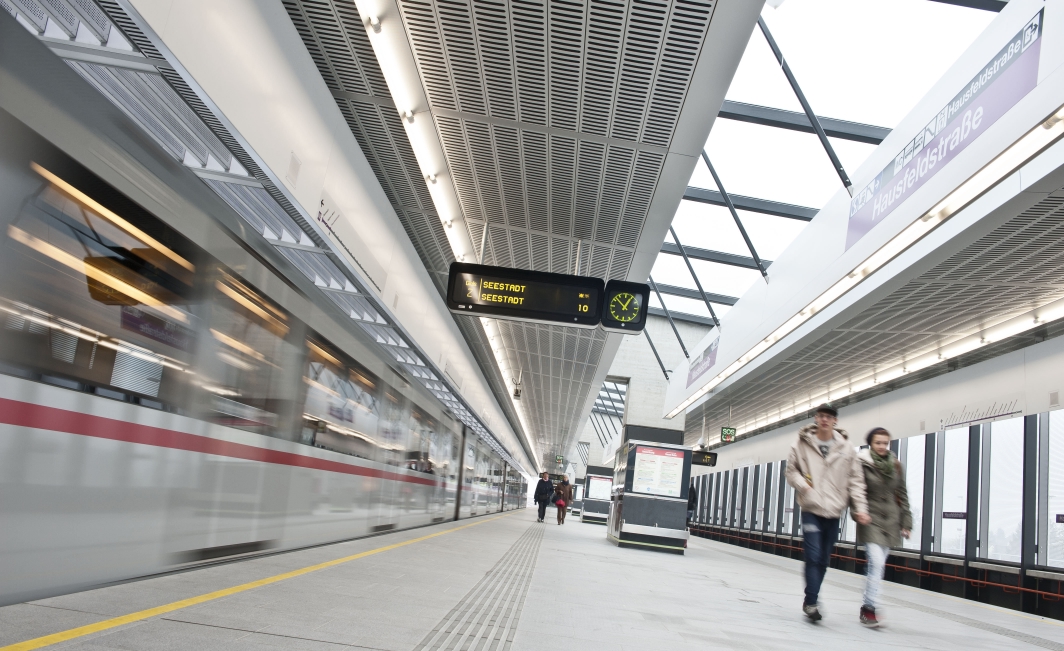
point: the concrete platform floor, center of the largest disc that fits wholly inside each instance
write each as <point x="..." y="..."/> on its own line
<point x="523" y="586"/>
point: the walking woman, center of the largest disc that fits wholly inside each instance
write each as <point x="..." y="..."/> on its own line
<point x="565" y="492"/>
<point x="888" y="505"/>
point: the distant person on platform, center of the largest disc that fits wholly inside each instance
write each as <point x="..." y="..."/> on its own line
<point x="565" y="491"/>
<point x="888" y="504"/>
<point x="544" y="489"/>
<point x="824" y="470"/>
<point x="692" y="502"/>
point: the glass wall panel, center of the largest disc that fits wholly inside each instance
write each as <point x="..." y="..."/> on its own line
<point x="748" y="497"/>
<point x="1054" y="509"/>
<point x="727" y="489"/>
<point x="739" y="481"/>
<point x="718" y="491"/>
<point x="759" y="506"/>
<point x="1004" y="508"/>
<point x="788" y="510"/>
<point x="772" y="482"/>
<point x="913" y="450"/>
<point x="847" y="527"/>
<point x="952" y="489"/>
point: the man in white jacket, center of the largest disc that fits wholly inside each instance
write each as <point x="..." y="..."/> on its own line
<point x="824" y="470"/>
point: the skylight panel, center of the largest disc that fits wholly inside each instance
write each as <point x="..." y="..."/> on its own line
<point x="768" y="163"/>
<point x="871" y="60"/>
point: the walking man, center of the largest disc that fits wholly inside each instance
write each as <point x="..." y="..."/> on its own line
<point x="824" y="471"/>
<point x="544" y="489"/>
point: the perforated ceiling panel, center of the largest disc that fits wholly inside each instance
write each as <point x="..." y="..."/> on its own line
<point x="555" y="119"/>
<point x="1017" y="267"/>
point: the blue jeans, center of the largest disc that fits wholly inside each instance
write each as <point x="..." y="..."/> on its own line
<point x="819" y="535"/>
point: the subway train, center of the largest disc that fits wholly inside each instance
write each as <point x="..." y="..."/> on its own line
<point x="168" y="398"/>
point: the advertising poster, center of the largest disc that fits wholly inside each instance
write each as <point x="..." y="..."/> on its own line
<point x="658" y="471"/>
<point x="599" y="488"/>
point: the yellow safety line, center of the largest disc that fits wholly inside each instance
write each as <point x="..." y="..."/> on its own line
<point x="81" y="631"/>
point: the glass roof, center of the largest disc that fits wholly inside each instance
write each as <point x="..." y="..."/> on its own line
<point x="872" y="62"/>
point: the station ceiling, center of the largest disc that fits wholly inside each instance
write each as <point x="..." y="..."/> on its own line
<point x="554" y="120"/>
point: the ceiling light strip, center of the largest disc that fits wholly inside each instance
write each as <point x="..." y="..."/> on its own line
<point x="1010" y="327"/>
<point x="1016" y="155"/>
<point x="387" y="35"/>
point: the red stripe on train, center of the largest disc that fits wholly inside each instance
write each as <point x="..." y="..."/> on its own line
<point x="27" y="414"/>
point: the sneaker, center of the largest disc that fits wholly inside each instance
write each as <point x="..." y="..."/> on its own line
<point x="868" y="617"/>
<point x="811" y="612"/>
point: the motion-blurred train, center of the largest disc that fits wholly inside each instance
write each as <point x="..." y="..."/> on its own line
<point x="167" y="397"/>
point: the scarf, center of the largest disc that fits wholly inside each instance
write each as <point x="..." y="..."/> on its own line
<point x="884" y="464"/>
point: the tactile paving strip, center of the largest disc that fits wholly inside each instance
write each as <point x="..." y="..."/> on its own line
<point x="486" y="617"/>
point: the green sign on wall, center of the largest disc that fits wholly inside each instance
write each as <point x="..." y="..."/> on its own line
<point x="727" y="434"/>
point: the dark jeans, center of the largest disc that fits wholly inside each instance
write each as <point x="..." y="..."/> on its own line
<point x="542" y="509"/>
<point x="819" y="536"/>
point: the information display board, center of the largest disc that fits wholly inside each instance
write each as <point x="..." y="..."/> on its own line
<point x="701" y="458"/>
<point x="658" y="471"/>
<point x="525" y="295"/>
<point x="599" y="488"/>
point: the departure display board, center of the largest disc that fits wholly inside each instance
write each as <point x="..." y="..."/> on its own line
<point x="702" y="458"/>
<point x="525" y="295"/>
<point x="625" y="306"/>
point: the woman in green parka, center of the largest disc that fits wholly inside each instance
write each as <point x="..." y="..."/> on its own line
<point x="888" y="505"/>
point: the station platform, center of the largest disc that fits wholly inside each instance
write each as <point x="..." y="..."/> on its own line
<point x="505" y="582"/>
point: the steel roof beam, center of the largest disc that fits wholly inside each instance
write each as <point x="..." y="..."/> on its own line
<point x="795" y="121"/>
<point x="682" y="316"/>
<point x="985" y="5"/>
<point x="684" y="292"/>
<point x="705" y="255"/>
<point x="751" y="204"/>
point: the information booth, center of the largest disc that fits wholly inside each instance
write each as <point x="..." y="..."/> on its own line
<point x="598" y="490"/>
<point x="649" y="501"/>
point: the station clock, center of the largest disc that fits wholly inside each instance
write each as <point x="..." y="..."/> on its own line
<point x="625" y="306"/>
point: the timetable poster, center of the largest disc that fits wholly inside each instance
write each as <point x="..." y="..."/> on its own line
<point x="599" y="488"/>
<point x="658" y="471"/>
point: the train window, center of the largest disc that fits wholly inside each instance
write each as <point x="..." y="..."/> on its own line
<point x="249" y="347"/>
<point x="340" y="412"/>
<point x="89" y="298"/>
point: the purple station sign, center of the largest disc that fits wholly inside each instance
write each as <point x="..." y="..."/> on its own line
<point x="703" y="362"/>
<point x="999" y="86"/>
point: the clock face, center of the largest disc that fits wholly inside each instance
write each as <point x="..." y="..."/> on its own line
<point x="624" y="307"/>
